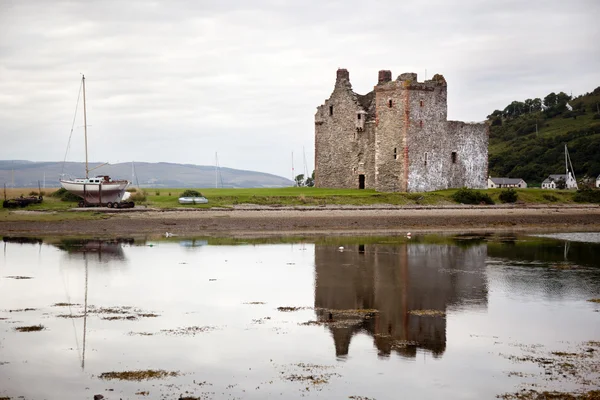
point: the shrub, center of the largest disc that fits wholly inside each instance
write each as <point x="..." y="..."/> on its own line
<point x="191" y="193"/>
<point x="157" y="193"/>
<point x="65" y="195"/>
<point x="587" y="196"/>
<point x="509" y="196"/>
<point x="596" y="116"/>
<point x="139" y="197"/>
<point x="132" y="190"/>
<point x="470" y="196"/>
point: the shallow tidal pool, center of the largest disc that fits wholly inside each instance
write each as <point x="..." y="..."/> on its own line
<point x="432" y="317"/>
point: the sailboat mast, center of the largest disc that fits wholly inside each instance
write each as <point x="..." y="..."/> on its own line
<point x="566" y="163"/>
<point x="87" y="170"/>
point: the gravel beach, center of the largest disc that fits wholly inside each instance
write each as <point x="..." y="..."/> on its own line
<point x="249" y="220"/>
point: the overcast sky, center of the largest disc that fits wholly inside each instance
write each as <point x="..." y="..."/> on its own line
<point x="177" y="81"/>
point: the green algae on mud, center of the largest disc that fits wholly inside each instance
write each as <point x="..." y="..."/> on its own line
<point x="581" y="366"/>
<point x="428" y="313"/>
<point x="545" y="395"/>
<point x="139" y="375"/>
<point x="32" y="328"/>
<point x="122" y="318"/>
<point x="360" y="398"/>
<point x="190" y="330"/>
<point x="358" y="312"/>
<point x="292" y="309"/>
<point x="594" y="300"/>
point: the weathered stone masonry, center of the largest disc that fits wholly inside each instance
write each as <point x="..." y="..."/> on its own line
<point x="396" y="138"/>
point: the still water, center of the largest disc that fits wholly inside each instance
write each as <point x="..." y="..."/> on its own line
<point x="451" y="317"/>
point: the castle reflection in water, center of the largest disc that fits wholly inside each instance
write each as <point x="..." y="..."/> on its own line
<point x="396" y="280"/>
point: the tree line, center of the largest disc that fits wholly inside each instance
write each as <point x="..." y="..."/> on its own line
<point x="520" y="147"/>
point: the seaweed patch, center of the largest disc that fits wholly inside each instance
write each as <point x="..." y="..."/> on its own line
<point x="32" y="328"/>
<point x="139" y="375"/>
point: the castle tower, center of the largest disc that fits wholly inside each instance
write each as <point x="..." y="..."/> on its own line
<point x="396" y="138"/>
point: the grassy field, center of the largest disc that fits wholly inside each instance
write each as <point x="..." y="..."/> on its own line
<point x="292" y="196"/>
<point x="302" y="196"/>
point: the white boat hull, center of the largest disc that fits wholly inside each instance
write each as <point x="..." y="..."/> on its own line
<point x="97" y="193"/>
<point x="193" y="200"/>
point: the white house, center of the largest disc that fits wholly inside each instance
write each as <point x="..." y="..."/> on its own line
<point x="598" y="181"/>
<point x="506" y="183"/>
<point x="551" y="181"/>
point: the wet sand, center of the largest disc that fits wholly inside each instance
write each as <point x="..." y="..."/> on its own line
<point x="248" y="220"/>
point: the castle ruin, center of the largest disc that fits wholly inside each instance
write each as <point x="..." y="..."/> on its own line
<point x="396" y="138"/>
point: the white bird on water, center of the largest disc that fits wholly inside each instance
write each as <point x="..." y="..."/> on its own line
<point x="168" y="234"/>
<point x="341" y="248"/>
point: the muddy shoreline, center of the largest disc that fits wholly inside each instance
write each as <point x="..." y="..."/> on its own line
<point x="286" y="221"/>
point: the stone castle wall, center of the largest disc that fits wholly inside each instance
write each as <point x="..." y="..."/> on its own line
<point x="402" y="140"/>
<point x="342" y="148"/>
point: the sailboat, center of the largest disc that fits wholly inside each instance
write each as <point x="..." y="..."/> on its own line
<point x="570" y="182"/>
<point x="99" y="190"/>
<point x="570" y="174"/>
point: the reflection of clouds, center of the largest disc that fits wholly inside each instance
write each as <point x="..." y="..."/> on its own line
<point x="396" y="280"/>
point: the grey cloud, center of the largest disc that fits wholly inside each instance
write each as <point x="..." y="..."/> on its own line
<point x="176" y="81"/>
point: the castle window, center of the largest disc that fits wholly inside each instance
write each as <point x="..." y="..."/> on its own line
<point x="426" y="159"/>
<point x="358" y="115"/>
<point x="453" y="157"/>
<point x="420" y="124"/>
<point x="421" y="103"/>
<point x="330" y="110"/>
<point x="390" y="103"/>
<point x="395" y="154"/>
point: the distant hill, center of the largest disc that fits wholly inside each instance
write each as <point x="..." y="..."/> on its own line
<point x="516" y="150"/>
<point x="153" y="175"/>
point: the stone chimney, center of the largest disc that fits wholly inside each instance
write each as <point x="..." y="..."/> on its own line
<point x="342" y="74"/>
<point x="384" y="76"/>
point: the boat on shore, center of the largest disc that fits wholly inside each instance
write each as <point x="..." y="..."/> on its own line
<point x="99" y="190"/>
<point x="193" y="200"/>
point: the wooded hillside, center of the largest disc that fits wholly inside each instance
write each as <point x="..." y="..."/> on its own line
<point x="527" y="138"/>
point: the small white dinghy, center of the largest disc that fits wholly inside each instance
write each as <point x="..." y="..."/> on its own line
<point x="193" y="200"/>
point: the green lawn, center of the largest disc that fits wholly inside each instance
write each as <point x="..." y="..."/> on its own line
<point x="296" y="196"/>
<point x="304" y="196"/>
<point x="293" y="196"/>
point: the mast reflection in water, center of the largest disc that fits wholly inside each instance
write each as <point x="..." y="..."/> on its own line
<point x="397" y="281"/>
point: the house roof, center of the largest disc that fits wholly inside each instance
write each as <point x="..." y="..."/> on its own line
<point x="506" y="181"/>
<point x="555" y="177"/>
